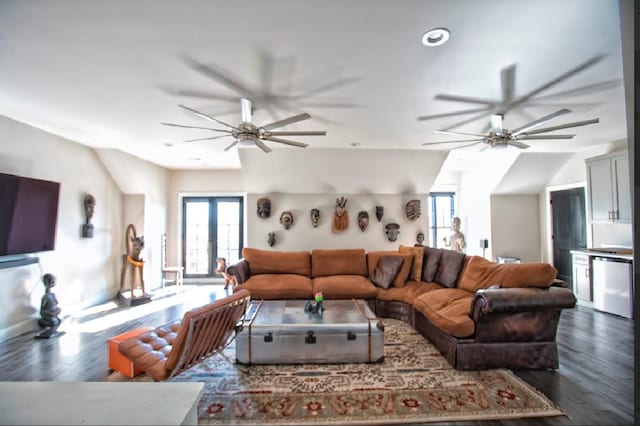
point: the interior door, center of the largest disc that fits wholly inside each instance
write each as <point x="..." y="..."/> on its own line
<point x="569" y="229"/>
<point x="212" y="228"/>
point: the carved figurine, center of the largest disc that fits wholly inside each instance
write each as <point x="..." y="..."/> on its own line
<point x="222" y="270"/>
<point x="286" y="219"/>
<point x="89" y="207"/>
<point x="49" y="310"/>
<point x="456" y="240"/>
<point x="315" y="217"/>
<point x="271" y="239"/>
<point x="340" y="216"/>
<point x="132" y="261"/>
<point x="363" y="220"/>
<point x="264" y="207"/>
<point x="419" y="239"/>
<point x="412" y="210"/>
<point x="379" y="212"/>
<point x="392" y="231"/>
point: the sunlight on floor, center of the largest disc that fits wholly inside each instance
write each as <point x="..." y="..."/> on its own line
<point x="191" y="296"/>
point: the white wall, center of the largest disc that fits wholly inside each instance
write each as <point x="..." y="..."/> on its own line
<point x="86" y="268"/>
<point x="515" y="227"/>
<point x="303" y="236"/>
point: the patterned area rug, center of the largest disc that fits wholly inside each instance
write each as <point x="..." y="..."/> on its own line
<point x="414" y="384"/>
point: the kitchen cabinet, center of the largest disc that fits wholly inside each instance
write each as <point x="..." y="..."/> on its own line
<point x="582" y="277"/>
<point x="609" y="189"/>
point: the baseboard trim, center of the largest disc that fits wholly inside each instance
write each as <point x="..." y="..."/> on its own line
<point x="17" y="329"/>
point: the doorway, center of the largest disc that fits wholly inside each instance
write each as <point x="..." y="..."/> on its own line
<point x="212" y="227"/>
<point x="569" y="229"/>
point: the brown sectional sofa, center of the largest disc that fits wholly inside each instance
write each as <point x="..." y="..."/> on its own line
<point x="478" y="314"/>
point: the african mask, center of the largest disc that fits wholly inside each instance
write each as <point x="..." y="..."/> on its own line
<point x="412" y="210"/>
<point x="379" y="212"/>
<point x="420" y="239"/>
<point x="315" y="217"/>
<point x="271" y="239"/>
<point x="392" y="230"/>
<point x="264" y="207"/>
<point x="363" y="220"/>
<point x="286" y="219"/>
<point x="340" y="216"/>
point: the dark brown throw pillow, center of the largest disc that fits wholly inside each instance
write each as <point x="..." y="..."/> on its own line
<point x="451" y="263"/>
<point x="386" y="270"/>
<point x="430" y="263"/>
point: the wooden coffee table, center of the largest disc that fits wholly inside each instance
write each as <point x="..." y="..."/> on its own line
<point x="281" y="332"/>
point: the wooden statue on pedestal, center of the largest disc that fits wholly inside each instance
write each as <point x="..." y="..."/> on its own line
<point x="132" y="261"/>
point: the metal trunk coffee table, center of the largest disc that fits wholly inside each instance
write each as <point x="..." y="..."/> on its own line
<point x="281" y="332"/>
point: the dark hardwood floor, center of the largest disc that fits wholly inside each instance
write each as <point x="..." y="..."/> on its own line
<point x="594" y="384"/>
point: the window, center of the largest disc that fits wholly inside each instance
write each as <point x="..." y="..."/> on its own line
<point x="212" y="228"/>
<point x="442" y="211"/>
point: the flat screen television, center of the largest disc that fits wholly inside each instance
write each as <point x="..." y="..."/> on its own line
<point x="28" y="214"/>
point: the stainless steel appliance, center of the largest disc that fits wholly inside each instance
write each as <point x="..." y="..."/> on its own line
<point x="612" y="285"/>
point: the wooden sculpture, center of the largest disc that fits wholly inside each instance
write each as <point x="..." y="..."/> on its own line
<point x="340" y="216"/>
<point x="132" y="261"/>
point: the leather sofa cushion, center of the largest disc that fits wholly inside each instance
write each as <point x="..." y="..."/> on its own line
<point x="325" y="263"/>
<point x="448" y="309"/>
<point x="418" y="256"/>
<point x="408" y="293"/>
<point x="278" y="286"/>
<point x="430" y="263"/>
<point x="345" y="287"/>
<point x="403" y="275"/>
<point x="386" y="270"/>
<point x="451" y="263"/>
<point x="277" y="262"/>
<point x="482" y="273"/>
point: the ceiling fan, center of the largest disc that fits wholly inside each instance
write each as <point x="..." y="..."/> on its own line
<point x="498" y="136"/>
<point x="247" y="133"/>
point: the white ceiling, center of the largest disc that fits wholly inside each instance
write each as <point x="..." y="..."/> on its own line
<point x="107" y="73"/>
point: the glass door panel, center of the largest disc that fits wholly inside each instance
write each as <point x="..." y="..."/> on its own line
<point x="196" y="241"/>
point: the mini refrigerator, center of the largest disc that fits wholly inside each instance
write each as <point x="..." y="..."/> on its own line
<point x="612" y="286"/>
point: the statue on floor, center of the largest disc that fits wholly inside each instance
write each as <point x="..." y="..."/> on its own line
<point x="49" y="310"/>
<point x="133" y="262"/>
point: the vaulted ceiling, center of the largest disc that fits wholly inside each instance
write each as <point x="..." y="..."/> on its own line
<point x="106" y="74"/>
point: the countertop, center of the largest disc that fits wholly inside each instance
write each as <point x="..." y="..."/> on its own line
<point x="603" y="254"/>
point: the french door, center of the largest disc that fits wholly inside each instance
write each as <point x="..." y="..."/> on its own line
<point x="211" y="228"/>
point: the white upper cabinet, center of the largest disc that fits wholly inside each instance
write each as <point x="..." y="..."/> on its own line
<point x="608" y="187"/>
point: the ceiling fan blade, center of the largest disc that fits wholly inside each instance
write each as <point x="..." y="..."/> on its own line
<point x="458" y="141"/>
<point x="222" y="77"/>
<point x="518" y="144"/>
<point x="245" y="105"/>
<point x="295" y="133"/>
<point x="286" y="121"/>
<point x="234" y="143"/>
<point x="449" y="132"/>
<point x="487" y="112"/>
<point x="262" y="146"/>
<point x="329" y="86"/>
<point x="206" y="139"/>
<point x="556" y="80"/>
<point x="588" y="89"/>
<point x="539" y="121"/>
<point x="205" y="116"/>
<point x="544" y="137"/>
<point x="564" y="126"/>
<point x="451" y="114"/>
<point x="206" y="95"/>
<point x="286" y="142"/>
<point x="465" y="146"/>
<point x="195" y="127"/>
<point x="466" y="99"/>
<point x="508" y="80"/>
<point x="496" y="124"/>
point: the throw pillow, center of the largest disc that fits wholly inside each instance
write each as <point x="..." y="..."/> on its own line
<point x="403" y="274"/>
<point x="386" y="270"/>
<point x="451" y="263"/>
<point x="430" y="263"/>
<point x="416" y="268"/>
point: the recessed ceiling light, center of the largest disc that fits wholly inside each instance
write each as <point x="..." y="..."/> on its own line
<point x="435" y="37"/>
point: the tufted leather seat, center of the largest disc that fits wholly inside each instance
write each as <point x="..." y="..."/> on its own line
<point x="172" y="348"/>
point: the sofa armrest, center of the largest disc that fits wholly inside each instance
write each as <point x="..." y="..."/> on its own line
<point x="240" y="270"/>
<point x="512" y="300"/>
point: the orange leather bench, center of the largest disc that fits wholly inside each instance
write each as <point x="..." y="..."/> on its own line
<point x="119" y="362"/>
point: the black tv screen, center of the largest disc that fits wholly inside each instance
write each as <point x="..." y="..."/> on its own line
<point x="28" y="214"/>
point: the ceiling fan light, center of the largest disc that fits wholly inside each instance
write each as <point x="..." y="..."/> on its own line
<point x="436" y="37"/>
